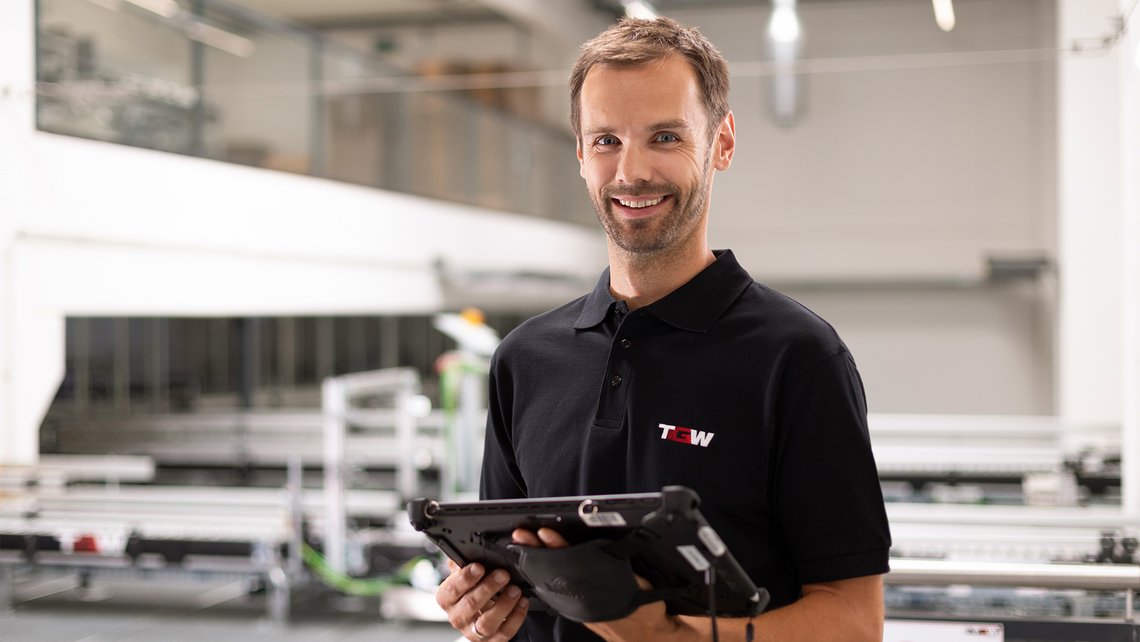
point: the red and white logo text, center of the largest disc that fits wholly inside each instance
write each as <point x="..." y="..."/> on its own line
<point x="683" y="435"/>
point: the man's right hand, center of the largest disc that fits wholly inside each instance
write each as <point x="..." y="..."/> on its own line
<point x="483" y="609"/>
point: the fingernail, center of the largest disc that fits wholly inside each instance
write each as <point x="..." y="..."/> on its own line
<point x="500" y="576"/>
<point x="523" y="603"/>
<point x="513" y="591"/>
<point x="475" y="570"/>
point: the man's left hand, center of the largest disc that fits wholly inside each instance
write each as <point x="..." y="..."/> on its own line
<point x="644" y="623"/>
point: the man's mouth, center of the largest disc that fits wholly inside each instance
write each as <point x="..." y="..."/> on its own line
<point x="640" y="205"/>
<point x="640" y="202"/>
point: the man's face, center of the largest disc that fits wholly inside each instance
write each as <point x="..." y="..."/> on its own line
<point x="645" y="153"/>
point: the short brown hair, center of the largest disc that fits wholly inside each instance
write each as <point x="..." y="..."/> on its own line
<point x="635" y="42"/>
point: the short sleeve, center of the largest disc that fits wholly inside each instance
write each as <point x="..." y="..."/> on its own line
<point x="501" y="477"/>
<point x="828" y="500"/>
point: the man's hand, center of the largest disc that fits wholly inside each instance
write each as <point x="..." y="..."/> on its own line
<point x="483" y="609"/>
<point x="547" y="537"/>
<point x="645" y="623"/>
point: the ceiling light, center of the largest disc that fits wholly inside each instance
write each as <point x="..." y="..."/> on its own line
<point x="784" y="44"/>
<point x="944" y="14"/>
<point x="639" y="9"/>
<point x="784" y="26"/>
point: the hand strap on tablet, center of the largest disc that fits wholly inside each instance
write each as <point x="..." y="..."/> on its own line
<point x="589" y="582"/>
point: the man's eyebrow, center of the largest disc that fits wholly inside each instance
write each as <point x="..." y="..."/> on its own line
<point x="670" y="124"/>
<point x="677" y="123"/>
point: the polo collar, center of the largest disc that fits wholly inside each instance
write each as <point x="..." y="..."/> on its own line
<point x="694" y="306"/>
<point x="597" y="304"/>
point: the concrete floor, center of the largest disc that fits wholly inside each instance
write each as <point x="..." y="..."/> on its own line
<point x="54" y="610"/>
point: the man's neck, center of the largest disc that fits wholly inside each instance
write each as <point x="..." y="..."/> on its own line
<point x="641" y="279"/>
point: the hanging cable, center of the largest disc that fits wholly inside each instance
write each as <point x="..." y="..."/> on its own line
<point x="753" y="611"/>
<point x="710" y="580"/>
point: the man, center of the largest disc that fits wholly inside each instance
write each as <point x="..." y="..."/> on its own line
<point x="680" y="369"/>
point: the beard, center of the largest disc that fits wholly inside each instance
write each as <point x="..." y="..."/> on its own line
<point x="656" y="233"/>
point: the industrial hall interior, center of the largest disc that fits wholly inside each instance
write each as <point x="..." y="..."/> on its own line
<point x="258" y="258"/>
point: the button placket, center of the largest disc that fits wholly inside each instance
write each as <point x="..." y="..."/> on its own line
<point x="615" y="386"/>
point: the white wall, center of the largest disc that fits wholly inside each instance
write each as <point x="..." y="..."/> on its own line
<point x="891" y="172"/>
<point x="904" y="171"/>
<point x="946" y="350"/>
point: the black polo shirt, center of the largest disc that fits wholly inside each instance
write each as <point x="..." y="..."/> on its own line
<point x="725" y="386"/>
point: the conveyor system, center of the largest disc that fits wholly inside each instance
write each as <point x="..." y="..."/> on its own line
<point x="1043" y="573"/>
<point x="994" y="458"/>
<point x="1063" y="568"/>
<point x="1012" y="533"/>
<point x="257" y="438"/>
<point x="932" y="456"/>
<point x="155" y="531"/>
<point x="54" y="470"/>
<point x="260" y="533"/>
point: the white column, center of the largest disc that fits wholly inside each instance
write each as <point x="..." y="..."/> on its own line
<point x="334" y="405"/>
<point x="1129" y="71"/>
<point x="20" y="398"/>
<point x="1090" y="367"/>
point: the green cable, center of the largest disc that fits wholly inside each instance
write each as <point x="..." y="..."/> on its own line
<point x="362" y="587"/>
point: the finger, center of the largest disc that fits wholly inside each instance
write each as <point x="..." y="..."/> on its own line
<point x="478" y="598"/>
<point x="492" y="618"/>
<point x="552" y="538"/>
<point x="452" y="566"/>
<point x="525" y="537"/>
<point x="515" y="620"/>
<point x="457" y="584"/>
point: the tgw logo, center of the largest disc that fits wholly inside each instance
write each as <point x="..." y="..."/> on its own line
<point x="684" y="435"/>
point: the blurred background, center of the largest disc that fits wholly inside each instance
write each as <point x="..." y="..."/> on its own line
<point x="254" y="255"/>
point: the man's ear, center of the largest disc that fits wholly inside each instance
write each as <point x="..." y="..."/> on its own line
<point x="578" y="151"/>
<point x="725" y="142"/>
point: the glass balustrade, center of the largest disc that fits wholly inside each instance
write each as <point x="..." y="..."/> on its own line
<point x="211" y="79"/>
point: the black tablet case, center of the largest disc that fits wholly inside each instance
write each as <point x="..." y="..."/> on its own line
<point x="663" y="536"/>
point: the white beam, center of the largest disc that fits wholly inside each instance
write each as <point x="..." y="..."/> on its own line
<point x="1129" y="71"/>
<point x="1090" y="368"/>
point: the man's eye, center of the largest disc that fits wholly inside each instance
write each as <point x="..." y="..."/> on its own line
<point x="667" y="138"/>
<point x="606" y="140"/>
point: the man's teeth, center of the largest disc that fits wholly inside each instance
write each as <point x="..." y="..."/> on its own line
<point x="648" y="203"/>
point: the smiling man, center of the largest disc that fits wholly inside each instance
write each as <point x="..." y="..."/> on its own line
<point x="678" y="368"/>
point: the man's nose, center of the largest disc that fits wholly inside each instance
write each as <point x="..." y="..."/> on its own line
<point x="633" y="165"/>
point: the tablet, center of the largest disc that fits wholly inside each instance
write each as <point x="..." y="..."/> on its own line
<point x="660" y="536"/>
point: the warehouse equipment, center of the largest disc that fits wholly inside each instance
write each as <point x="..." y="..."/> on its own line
<point x="262" y="535"/>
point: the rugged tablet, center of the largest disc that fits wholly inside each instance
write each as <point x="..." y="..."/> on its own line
<point x="660" y="536"/>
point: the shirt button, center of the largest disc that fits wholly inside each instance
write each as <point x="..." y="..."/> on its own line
<point x="616" y="381"/>
<point x="626" y="343"/>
